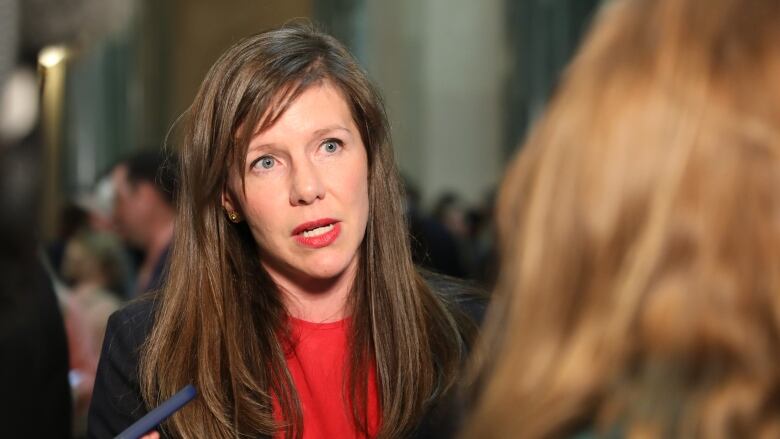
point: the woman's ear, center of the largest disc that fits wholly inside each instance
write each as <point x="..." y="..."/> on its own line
<point x="230" y="206"/>
<point x="227" y="201"/>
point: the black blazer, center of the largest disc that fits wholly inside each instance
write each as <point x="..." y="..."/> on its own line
<point x="116" y="399"/>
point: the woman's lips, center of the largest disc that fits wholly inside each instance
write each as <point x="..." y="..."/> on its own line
<point x="317" y="234"/>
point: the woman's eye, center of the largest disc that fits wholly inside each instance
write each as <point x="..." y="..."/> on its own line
<point x="266" y="162"/>
<point x="331" y="146"/>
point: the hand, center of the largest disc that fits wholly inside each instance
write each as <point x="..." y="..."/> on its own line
<point x="151" y="435"/>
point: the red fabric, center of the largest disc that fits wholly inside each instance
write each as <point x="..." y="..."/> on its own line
<point x="317" y="361"/>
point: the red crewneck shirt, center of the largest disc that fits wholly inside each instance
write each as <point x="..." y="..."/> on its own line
<point x="317" y="361"/>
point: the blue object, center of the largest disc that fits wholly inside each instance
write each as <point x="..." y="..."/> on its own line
<point x="161" y="413"/>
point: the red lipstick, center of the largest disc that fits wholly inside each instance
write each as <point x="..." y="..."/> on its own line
<point x="321" y="233"/>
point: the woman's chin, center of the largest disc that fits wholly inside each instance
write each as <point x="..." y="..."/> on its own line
<point x="318" y="269"/>
<point x="325" y="271"/>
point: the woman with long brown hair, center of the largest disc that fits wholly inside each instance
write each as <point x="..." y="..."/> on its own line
<point x="291" y="301"/>
<point x="639" y="293"/>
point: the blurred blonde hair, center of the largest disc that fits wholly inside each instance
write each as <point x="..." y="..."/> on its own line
<point x="640" y="286"/>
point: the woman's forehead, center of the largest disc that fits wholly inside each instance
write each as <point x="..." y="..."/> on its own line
<point x="266" y="113"/>
<point x="318" y="108"/>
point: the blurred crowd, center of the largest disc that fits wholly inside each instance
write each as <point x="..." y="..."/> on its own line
<point x="112" y="246"/>
<point x="453" y="237"/>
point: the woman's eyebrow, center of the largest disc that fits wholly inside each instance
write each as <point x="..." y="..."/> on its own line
<point x="259" y="147"/>
<point x="330" y="128"/>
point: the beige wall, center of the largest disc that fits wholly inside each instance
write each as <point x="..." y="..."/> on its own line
<point x="464" y="71"/>
<point x="392" y="57"/>
<point x="441" y="65"/>
<point x="202" y="29"/>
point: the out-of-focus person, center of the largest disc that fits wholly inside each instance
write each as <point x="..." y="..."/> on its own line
<point x="36" y="396"/>
<point x="450" y="210"/>
<point x="433" y="246"/>
<point x="639" y="294"/>
<point x="72" y="219"/>
<point x="82" y="360"/>
<point x="35" y="400"/>
<point x="93" y="268"/>
<point x="144" y="212"/>
<point x="99" y="204"/>
<point x="481" y="255"/>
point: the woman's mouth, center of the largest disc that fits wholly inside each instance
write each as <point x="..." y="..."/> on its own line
<point x="317" y="234"/>
<point x="318" y="231"/>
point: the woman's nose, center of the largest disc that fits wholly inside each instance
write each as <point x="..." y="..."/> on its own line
<point x="307" y="185"/>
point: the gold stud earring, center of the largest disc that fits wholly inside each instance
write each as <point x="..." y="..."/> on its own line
<point x="233" y="216"/>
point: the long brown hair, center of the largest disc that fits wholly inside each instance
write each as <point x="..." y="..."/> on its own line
<point x="219" y="317"/>
<point x="639" y="292"/>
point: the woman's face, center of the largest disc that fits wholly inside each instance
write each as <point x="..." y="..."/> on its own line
<point x="306" y="199"/>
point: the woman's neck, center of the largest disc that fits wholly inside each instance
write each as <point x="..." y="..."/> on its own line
<point x="316" y="300"/>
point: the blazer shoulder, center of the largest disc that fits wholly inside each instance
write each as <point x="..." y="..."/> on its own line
<point x="466" y="296"/>
<point x="116" y="398"/>
<point x="134" y="320"/>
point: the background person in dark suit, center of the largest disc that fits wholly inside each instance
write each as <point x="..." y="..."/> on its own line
<point x="144" y="212"/>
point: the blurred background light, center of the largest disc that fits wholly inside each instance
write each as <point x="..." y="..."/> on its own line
<point x="52" y="55"/>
